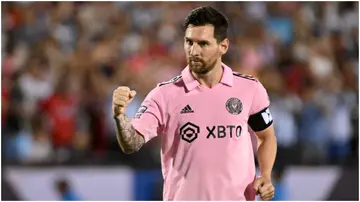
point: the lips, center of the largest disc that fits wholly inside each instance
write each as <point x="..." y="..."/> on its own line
<point x="195" y="60"/>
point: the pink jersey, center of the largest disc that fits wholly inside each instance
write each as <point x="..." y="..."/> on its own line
<point x="206" y="149"/>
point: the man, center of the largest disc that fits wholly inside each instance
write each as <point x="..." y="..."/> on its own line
<point x="202" y="117"/>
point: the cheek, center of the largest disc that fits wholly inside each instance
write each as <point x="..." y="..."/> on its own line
<point x="187" y="50"/>
<point x="219" y="51"/>
<point x="212" y="55"/>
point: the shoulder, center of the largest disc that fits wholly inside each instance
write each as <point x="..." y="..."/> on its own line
<point x="247" y="81"/>
<point x="244" y="77"/>
<point x="165" y="88"/>
<point x="174" y="80"/>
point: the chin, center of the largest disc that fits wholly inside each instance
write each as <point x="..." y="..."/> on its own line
<point x="199" y="69"/>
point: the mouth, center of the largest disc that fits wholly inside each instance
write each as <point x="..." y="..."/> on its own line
<point x="195" y="61"/>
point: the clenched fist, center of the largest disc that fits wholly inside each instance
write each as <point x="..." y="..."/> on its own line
<point x="264" y="188"/>
<point x="122" y="97"/>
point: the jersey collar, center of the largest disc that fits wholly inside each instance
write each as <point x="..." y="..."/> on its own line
<point x="191" y="82"/>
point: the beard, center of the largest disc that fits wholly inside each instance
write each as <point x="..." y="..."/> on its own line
<point x="201" y="67"/>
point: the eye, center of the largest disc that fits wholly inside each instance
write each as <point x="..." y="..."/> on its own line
<point x="189" y="42"/>
<point x="203" y="43"/>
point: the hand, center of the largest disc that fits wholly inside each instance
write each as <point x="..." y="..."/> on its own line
<point x="122" y="97"/>
<point x="264" y="188"/>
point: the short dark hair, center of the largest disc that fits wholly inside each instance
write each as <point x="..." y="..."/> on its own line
<point x="207" y="15"/>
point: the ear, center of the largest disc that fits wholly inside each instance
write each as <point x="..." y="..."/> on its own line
<point x="224" y="46"/>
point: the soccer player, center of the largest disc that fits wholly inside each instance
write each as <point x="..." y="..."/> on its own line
<point x="202" y="117"/>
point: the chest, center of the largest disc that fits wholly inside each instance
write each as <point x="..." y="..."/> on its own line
<point x="207" y="123"/>
<point x="210" y="114"/>
<point x="218" y="106"/>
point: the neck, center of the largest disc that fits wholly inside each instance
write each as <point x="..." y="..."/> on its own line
<point x="211" y="78"/>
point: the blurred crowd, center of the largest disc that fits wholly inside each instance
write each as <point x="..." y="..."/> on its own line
<point x="61" y="62"/>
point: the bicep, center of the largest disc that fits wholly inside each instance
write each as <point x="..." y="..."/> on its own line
<point x="263" y="134"/>
<point x="149" y="119"/>
<point x="260" y="120"/>
<point x="147" y="126"/>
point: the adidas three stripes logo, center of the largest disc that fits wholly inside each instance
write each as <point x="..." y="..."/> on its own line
<point x="186" y="109"/>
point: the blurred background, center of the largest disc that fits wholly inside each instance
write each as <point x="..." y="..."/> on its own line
<point x="61" y="62"/>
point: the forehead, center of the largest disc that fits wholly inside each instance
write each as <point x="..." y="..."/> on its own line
<point x="200" y="32"/>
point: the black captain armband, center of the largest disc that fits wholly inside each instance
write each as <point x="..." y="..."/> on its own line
<point x="260" y="120"/>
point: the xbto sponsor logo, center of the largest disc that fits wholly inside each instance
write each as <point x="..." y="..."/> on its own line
<point x="223" y="131"/>
<point x="190" y="132"/>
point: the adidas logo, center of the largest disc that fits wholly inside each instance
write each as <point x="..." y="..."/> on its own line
<point x="186" y="109"/>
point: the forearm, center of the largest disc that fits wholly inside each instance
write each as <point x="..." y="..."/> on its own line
<point x="129" y="140"/>
<point x="266" y="155"/>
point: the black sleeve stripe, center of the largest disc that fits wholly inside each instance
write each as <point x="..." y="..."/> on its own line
<point x="260" y="120"/>
<point x="173" y="80"/>
<point x="244" y="76"/>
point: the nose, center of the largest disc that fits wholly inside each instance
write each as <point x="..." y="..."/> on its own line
<point x="195" y="50"/>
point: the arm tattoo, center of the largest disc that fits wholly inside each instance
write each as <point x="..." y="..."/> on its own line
<point x="129" y="140"/>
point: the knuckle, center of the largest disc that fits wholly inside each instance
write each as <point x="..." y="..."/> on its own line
<point x="120" y="92"/>
<point x="125" y="88"/>
<point x="123" y="94"/>
<point x="121" y="89"/>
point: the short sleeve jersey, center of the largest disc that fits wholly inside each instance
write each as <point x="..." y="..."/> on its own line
<point x="206" y="148"/>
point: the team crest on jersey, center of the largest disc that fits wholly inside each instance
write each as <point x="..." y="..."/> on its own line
<point x="234" y="106"/>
